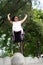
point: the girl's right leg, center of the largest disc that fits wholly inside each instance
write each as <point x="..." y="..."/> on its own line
<point x="21" y="47"/>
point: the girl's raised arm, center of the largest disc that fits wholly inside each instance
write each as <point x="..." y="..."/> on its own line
<point x="8" y="16"/>
<point x="22" y="21"/>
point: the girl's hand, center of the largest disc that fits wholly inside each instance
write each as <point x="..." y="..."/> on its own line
<point x="24" y="18"/>
<point x="9" y="14"/>
<point x="26" y="15"/>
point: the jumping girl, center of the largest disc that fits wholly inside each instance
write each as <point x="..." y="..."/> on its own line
<point x="17" y="28"/>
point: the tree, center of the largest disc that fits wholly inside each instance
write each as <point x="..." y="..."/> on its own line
<point x="15" y="7"/>
<point x="33" y="27"/>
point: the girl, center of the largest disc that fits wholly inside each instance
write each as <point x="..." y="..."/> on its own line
<point x="17" y="28"/>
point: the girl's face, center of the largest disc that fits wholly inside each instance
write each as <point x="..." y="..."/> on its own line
<point x="16" y="18"/>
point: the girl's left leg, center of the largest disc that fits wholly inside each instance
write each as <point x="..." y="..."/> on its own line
<point x="21" y="47"/>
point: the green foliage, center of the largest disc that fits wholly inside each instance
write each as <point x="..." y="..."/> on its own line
<point x="33" y="27"/>
<point x="15" y="7"/>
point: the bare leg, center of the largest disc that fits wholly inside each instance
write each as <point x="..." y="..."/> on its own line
<point x="21" y="47"/>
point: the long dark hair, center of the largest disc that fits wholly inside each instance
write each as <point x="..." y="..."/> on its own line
<point x="13" y="18"/>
